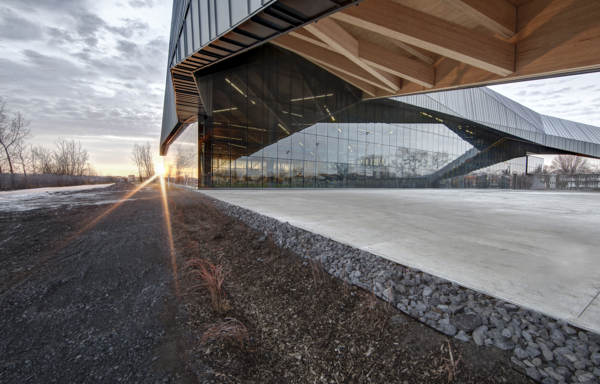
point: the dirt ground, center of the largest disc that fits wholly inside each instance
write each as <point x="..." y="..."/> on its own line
<point x="100" y="305"/>
<point x="95" y="306"/>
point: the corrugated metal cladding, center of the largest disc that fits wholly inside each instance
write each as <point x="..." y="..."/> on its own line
<point x="169" y="118"/>
<point x="194" y="24"/>
<point x="482" y="105"/>
<point x="197" y="22"/>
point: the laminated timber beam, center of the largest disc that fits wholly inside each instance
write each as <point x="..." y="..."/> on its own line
<point x="370" y="55"/>
<point x="330" y="32"/>
<point x="432" y="34"/>
<point x="498" y="16"/>
<point x="330" y="59"/>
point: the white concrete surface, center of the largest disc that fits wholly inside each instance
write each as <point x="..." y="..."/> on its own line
<point x="540" y="250"/>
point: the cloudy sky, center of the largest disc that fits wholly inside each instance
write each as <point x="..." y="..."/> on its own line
<point x="93" y="70"/>
<point x="89" y="70"/>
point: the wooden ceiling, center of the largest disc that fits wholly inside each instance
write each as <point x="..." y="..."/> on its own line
<point x="394" y="47"/>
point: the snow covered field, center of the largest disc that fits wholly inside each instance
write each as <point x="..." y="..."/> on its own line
<point x="28" y="199"/>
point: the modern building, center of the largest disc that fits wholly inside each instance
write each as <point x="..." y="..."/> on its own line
<point x="369" y="93"/>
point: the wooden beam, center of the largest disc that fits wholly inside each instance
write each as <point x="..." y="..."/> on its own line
<point x="498" y="16"/>
<point x="344" y="43"/>
<point x="431" y="33"/>
<point x="365" y="87"/>
<point x="327" y="57"/>
<point x="383" y="59"/>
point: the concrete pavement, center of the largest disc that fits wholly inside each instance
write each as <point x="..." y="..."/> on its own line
<point x="540" y="250"/>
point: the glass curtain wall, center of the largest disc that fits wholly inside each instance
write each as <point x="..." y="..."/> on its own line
<point x="273" y="119"/>
<point x="181" y="163"/>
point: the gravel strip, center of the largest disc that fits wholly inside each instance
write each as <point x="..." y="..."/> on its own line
<point x="547" y="350"/>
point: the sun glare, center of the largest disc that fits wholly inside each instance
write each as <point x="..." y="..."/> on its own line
<point x="159" y="167"/>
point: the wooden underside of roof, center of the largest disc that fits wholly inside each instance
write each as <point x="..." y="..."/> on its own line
<point x="396" y="47"/>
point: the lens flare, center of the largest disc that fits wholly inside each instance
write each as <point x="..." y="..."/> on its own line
<point x="159" y="167"/>
<point x="167" y="215"/>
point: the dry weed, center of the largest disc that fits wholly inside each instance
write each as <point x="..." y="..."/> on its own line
<point x="211" y="278"/>
<point x="318" y="272"/>
<point x="229" y="330"/>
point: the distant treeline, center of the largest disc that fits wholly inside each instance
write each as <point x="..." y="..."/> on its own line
<point x="20" y="181"/>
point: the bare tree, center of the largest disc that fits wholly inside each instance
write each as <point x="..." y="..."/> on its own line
<point x="41" y="160"/>
<point x="13" y="132"/>
<point x="20" y="153"/>
<point x="183" y="159"/>
<point x="570" y="165"/>
<point x="70" y="158"/>
<point x="143" y="159"/>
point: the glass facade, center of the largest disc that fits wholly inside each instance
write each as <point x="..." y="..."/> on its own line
<point x="273" y="119"/>
<point x="181" y="163"/>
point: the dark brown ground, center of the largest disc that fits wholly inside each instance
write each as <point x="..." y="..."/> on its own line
<point x="101" y="306"/>
<point x="307" y="330"/>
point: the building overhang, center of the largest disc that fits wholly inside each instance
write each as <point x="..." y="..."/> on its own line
<point x="398" y="47"/>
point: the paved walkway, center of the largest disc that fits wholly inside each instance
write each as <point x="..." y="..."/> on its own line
<point x="540" y="250"/>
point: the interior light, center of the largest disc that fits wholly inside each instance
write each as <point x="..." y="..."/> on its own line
<point x="292" y="114"/>
<point x="225" y="110"/>
<point x="228" y="138"/>
<point x="311" y="97"/>
<point x="330" y="115"/>
<point x="283" y="128"/>
<point x="239" y="90"/>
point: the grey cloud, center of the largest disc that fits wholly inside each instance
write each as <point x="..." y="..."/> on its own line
<point x="88" y="24"/>
<point x="141" y="3"/>
<point x="131" y="26"/>
<point x="52" y="5"/>
<point x="14" y="27"/>
<point x="59" y="36"/>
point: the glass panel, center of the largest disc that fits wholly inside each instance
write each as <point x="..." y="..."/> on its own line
<point x="277" y="120"/>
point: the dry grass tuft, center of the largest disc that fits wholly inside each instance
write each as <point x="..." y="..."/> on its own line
<point x="230" y="330"/>
<point x="449" y="365"/>
<point x="211" y="278"/>
<point x="318" y="272"/>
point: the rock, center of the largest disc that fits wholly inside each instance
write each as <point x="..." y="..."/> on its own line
<point x="583" y="336"/>
<point x="427" y="291"/>
<point x="517" y="362"/>
<point x="462" y="336"/>
<point x="595" y="358"/>
<point x="421" y="307"/>
<point x="533" y="373"/>
<point x="546" y="352"/>
<point x="467" y="321"/>
<point x="520" y="353"/>
<point x="503" y="344"/>
<point x="479" y="335"/>
<point x="388" y="294"/>
<point x="527" y="336"/>
<point x="507" y="333"/>
<point x="597" y="372"/>
<point x="553" y="374"/>
<point x="563" y="371"/>
<point x="581" y="364"/>
<point x="447" y="328"/>
<point x="557" y="337"/>
<point x="497" y="322"/>
<point x="564" y="356"/>
<point x="568" y="330"/>
<point x="537" y="361"/>
<point x="532" y="351"/>
<point x="584" y="377"/>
